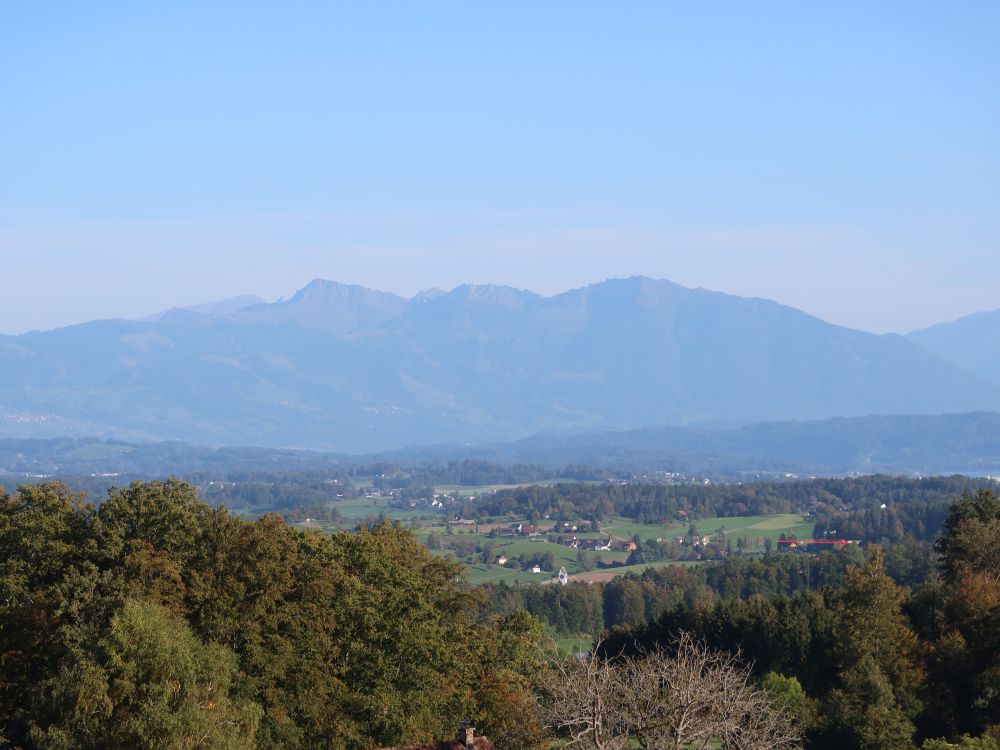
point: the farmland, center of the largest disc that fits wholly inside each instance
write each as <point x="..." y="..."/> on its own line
<point x="479" y="550"/>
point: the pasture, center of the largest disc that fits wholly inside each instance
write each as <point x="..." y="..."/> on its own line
<point x="757" y="529"/>
<point x="603" y="575"/>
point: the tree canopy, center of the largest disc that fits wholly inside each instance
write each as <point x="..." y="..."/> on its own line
<point x="155" y="620"/>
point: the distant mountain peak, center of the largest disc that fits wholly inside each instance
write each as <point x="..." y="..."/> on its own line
<point x="971" y="342"/>
<point x="494" y="293"/>
<point x="226" y="306"/>
<point x="341" y="308"/>
<point x="315" y="287"/>
<point x="321" y="289"/>
<point x="428" y="294"/>
<point x="970" y="321"/>
<point x="634" y="287"/>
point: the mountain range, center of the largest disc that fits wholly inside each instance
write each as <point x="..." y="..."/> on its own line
<point x="345" y="368"/>
<point x="972" y="342"/>
<point x="944" y="444"/>
<point x="941" y="444"/>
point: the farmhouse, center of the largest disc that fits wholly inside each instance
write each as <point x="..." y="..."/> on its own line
<point x="595" y="544"/>
<point x="519" y="529"/>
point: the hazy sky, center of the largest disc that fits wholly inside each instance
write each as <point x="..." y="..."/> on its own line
<point x="844" y="159"/>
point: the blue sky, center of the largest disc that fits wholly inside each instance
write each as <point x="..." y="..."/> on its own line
<point x="844" y="159"/>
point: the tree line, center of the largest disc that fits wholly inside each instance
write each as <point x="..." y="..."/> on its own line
<point x="881" y="647"/>
<point x="637" y="598"/>
<point x="880" y="665"/>
<point x="824" y="499"/>
<point x="155" y="620"/>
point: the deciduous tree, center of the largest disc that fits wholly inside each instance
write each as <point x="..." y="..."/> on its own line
<point x="690" y="697"/>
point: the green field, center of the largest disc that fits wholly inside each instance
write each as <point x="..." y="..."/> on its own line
<point x="624" y="528"/>
<point x="578" y="645"/>
<point x="477" y="574"/>
<point x="599" y="574"/>
<point x="759" y="528"/>
<point x="755" y="529"/>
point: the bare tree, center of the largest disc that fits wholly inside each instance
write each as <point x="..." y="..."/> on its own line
<point x="583" y="700"/>
<point x="691" y="697"/>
